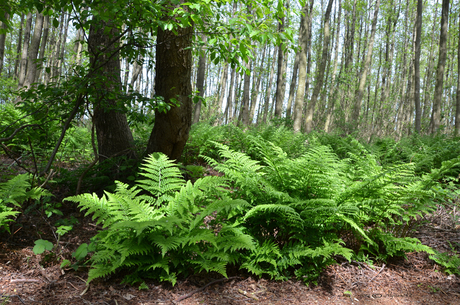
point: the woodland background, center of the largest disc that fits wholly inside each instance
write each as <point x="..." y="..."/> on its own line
<point x="274" y="137"/>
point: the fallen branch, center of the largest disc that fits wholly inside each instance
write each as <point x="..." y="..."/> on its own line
<point x="202" y="288"/>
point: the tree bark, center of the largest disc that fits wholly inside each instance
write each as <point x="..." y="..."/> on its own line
<point x="320" y="70"/>
<point x="303" y="44"/>
<point x="367" y="62"/>
<point x="114" y="137"/>
<point x="418" y="50"/>
<point x="41" y="56"/>
<point x="200" y="76"/>
<point x="293" y="86"/>
<point x="438" y="91"/>
<point x="269" y="90"/>
<point x="281" y="76"/>
<point x="457" y="108"/>
<point x="172" y="81"/>
<point x="33" y="51"/>
<point x="244" y="111"/>
<point x="25" y="51"/>
<point x="2" y="43"/>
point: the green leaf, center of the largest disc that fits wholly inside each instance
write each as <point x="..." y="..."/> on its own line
<point x="81" y="252"/>
<point x="41" y="245"/>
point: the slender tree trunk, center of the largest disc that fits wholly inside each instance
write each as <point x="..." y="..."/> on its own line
<point x="367" y="62"/>
<point x="33" y="51"/>
<point x="255" y="87"/>
<point x="303" y="44"/>
<point x="457" y="108"/>
<point x="18" y="49"/>
<point x="418" y="50"/>
<point x="269" y="90"/>
<point x="320" y="70"/>
<point x="221" y="96"/>
<point x="25" y="51"/>
<point x="293" y="86"/>
<point x="332" y="97"/>
<point x="438" y="91"/>
<point x="172" y="81"/>
<point x="41" y="56"/>
<point x="2" y="42"/>
<point x="244" y="111"/>
<point x="229" y="108"/>
<point x="281" y="76"/>
<point x="427" y="93"/>
<point x="200" y="76"/>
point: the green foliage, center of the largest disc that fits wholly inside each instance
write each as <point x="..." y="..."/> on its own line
<point x="13" y="193"/>
<point x="165" y="224"/>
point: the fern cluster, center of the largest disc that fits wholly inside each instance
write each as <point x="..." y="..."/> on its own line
<point x="165" y="226"/>
<point x="276" y="212"/>
<point x="318" y="203"/>
<point x="12" y="194"/>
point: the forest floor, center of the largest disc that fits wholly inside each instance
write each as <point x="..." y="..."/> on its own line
<point x="26" y="278"/>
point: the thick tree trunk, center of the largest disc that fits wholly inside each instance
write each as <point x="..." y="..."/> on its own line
<point x="367" y="62"/>
<point x="33" y="51"/>
<point x="25" y="51"/>
<point x="320" y="70"/>
<point x="418" y="50"/>
<point x="114" y="137"/>
<point x="438" y="91"/>
<point x="200" y="76"/>
<point x="172" y="82"/>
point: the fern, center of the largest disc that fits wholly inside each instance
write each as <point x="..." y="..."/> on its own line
<point x="176" y="228"/>
<point x="14" y="192"/>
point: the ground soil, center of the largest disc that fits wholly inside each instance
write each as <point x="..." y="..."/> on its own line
<point x="26" y="278"/>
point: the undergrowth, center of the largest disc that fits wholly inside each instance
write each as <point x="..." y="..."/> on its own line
<point x="279" y="211"/>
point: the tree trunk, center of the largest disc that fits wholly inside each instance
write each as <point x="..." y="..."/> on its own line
<point x="172" y="82"/>
<point x="320" y="70"/>
<point x="293" y="86"/>
<point x="114" y="137"/>
<point x="255" y="86"/>
<point x="200" y="76"/>
<point x="2" y="42"/>
<point x="303" y="44"/>
<point x="436" y="113"/>
<point x="33" y="51"/>
<point x="281" y="76"/>
<point x="418" y="50"/>
<point x="25" y="51"/>
<point x="367" y="62"/>
<point x="269" y="89"/>
<point x="457" y="108"/>
<point x="244" y="111"/>
<point x="41" y="56"/>
<point x="332" y="97"/>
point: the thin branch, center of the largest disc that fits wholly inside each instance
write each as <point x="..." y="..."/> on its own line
<point x="18" y="130"/>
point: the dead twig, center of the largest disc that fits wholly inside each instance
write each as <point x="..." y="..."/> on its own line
<point x="23" y="280"/>
<point x="202" y="288"/>
<point x="381" y="269"/>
